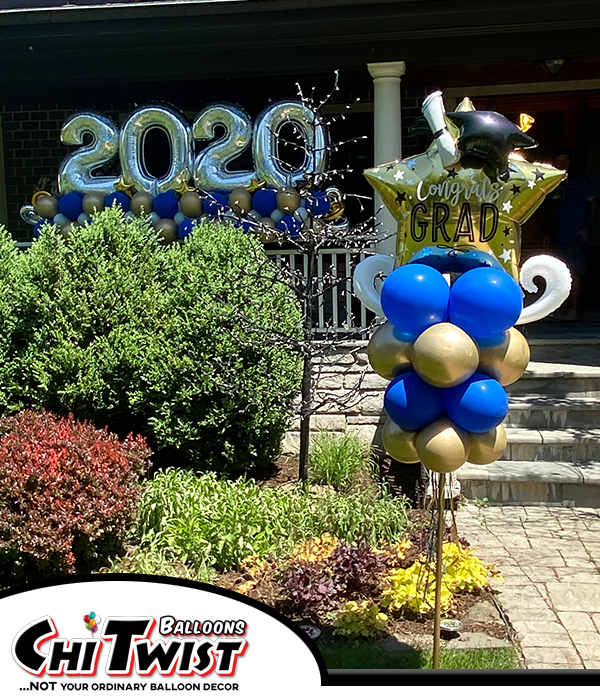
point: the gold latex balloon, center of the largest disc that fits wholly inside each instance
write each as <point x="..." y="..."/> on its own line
<point x="487" y="447"/>
<point x="141" y="203"/>
<point x="444" y="355"/>
<point x="389" y="356"/>
<point x="461" y="207"/>
<point x="92" y="202"/>
<point x="288" y="200"/>
<point x="191" y="205"/>
<point x="442" y="446"/>
<point x="266" y="235"/>
<point x="167" y="229"/>
<point x="506" y="361"/>
<point x="240" y="201"/>
<point x="66" y="230"/>
<point x="400" y="443"/>
<point x="47" y="206"/>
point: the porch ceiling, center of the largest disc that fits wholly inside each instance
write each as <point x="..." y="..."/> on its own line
<point x="151" y="41"/>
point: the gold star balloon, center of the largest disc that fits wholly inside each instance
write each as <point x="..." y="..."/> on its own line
<point x="477" y="202"/>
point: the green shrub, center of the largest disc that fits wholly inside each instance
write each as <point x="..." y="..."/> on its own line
<point x="206" y="520"/>
<point x="337" y="460"/>
<point x="171" y="342"/>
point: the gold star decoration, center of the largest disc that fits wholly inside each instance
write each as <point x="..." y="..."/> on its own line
<point x="460" y="207"/>
<point x="183" y="187"/>
<point x="123" y="186"/>
<point x="255" y="184"/>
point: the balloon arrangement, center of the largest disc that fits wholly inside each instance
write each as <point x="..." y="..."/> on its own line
<point x="272" y="212"/>
<point x="91" y="621"/>
<point x="449" y="346"/>
<point x="273" y="199"/>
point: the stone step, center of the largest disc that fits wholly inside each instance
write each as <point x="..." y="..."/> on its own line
<point x="532" y="483"/>
<point x="566" y="445"/>
<point x="551" y="412"/>
<point x="557" y="380"/>
<point x="578" y="351"/>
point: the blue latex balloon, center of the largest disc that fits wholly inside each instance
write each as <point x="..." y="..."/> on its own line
<point x="318" y="204"/>
<point x="485" y="302"/>
<point x="264" y="201"/>
<point x="477" y="405"/>
<point x="414" y="297"/>
<point x="412" y="403"/>
<point x="289" y="226"/>
<point x="37" y="228"/>
<point x="70" y="206"/>
<point x="453" y="259"/>
<point x="117" y="199"/>
<point x="215" y="203"/>
<point x="165" y="205"/>
<point x="185" y="228"/>
<point x="247" y="226"/>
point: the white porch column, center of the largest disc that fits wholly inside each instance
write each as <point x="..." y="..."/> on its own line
<point x="388" y="136"/>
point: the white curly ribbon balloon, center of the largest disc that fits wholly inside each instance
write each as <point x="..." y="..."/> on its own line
<point x="364" y="280"/>
<point x="558" y="286"/>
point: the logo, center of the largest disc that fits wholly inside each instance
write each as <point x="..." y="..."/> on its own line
<point x="125" y="645"/>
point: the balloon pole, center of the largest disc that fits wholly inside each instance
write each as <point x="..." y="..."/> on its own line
<point x="438" y="570"/>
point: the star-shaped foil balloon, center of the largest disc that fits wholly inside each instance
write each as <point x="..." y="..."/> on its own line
<point x="473" y="203"/>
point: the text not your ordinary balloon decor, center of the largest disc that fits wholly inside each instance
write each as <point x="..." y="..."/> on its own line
<point x="449" y="346"/>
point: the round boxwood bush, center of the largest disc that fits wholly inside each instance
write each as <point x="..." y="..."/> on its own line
<point x="68" y="495"/>
<point x="180" y="343"/>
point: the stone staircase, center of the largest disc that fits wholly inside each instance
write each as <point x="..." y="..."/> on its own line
<point x="553" y="426"/>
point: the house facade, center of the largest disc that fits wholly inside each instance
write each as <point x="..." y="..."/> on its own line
<point x="540" y="57"/>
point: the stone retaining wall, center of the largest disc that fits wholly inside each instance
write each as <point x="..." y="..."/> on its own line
<point x="349" y="395"/>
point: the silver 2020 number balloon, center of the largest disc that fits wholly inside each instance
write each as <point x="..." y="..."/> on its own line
<point x="75" y="172"/>
<point x="269" y="164"/>
<point x="133" y="134"/>
<point x="210" y="166"/>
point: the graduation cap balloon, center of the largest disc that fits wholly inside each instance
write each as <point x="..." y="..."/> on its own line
<point x="470" y="191"/>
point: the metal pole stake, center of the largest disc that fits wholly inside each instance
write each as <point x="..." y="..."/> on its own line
<point x="438" y="571"/>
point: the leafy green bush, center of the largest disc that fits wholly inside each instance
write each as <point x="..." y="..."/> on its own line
<point x="178" y="343"/>
<point x="336" y="460"/>
<point x="205" y="520"/>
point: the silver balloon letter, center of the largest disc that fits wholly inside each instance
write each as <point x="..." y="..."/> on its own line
<point x="75" y="172"/>
<point x="133" y="135"/>
<point x="210" y="166"/>
<point x="269" y="164"/>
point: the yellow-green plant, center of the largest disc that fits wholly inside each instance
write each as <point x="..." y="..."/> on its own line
<point x="355" y="620"/>
<point x="413" y="589"/>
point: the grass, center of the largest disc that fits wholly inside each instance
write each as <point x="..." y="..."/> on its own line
<point x="362" y="655"/>
<point x="337" y="460"/>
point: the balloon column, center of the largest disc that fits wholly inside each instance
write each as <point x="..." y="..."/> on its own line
<point x="449" y="346"/>
<point x="448" y="366"/>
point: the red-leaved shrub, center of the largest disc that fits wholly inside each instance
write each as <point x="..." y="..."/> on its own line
<point x="68" y="494"/>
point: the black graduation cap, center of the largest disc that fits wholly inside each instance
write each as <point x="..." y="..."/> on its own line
<point x="487" y="139"/>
